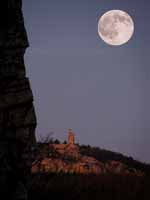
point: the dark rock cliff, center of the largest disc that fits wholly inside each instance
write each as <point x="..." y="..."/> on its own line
<point x="17" y="116"/>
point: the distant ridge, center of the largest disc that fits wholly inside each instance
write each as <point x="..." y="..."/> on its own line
<point x="69" y="157"/>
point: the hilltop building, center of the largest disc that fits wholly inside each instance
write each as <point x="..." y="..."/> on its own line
<point x="71" y="137"/>
<point x="67" y="159"/>
<point x="69" y="149"/>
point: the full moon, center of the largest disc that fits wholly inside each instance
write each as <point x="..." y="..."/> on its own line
<point x="116" y="27"/>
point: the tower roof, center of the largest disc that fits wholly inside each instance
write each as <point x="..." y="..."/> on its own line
<point x="70" y="130"/>
<point x="71" y="137"/>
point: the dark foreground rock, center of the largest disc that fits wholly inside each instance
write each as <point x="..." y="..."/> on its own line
<point x="17" y="116"/>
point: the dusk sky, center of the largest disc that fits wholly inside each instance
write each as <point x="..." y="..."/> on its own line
<point x="102" y="92"/>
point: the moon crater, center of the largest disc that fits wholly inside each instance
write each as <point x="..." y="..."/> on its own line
<point x="116" y="27"/>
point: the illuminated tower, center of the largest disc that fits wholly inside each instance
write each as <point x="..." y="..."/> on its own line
<point x="71" y="137"/>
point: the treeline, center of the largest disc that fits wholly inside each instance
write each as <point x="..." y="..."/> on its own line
<point x="102" y="155"/>
<point x="89" y="187"/>
<point x="105" y="155"/>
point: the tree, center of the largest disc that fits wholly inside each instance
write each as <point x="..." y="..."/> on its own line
<point x="47" y="138"/>
<point x="56" y="141"/>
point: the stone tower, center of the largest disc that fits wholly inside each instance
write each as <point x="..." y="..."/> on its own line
<point x="17" y="116"/>
<point x="71" y="137"/>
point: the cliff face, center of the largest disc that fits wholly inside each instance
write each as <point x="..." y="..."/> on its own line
<point x="17" y="116"/>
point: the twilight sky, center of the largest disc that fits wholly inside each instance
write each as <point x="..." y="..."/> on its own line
<point x="101" y="92"/>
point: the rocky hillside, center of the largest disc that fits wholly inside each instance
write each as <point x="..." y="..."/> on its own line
<point x="82" y="159"/>
<point x="106" y="156"/>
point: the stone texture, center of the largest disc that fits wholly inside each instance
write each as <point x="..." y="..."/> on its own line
<point x="17" y="116"/>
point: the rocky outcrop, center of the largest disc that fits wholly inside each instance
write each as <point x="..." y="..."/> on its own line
<point x="84" y="165"/>
<point x="66" y="158"/>
<point x="57" y="165"/>
<point x="119" y="168"/>
<point x="17" y="116"/>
